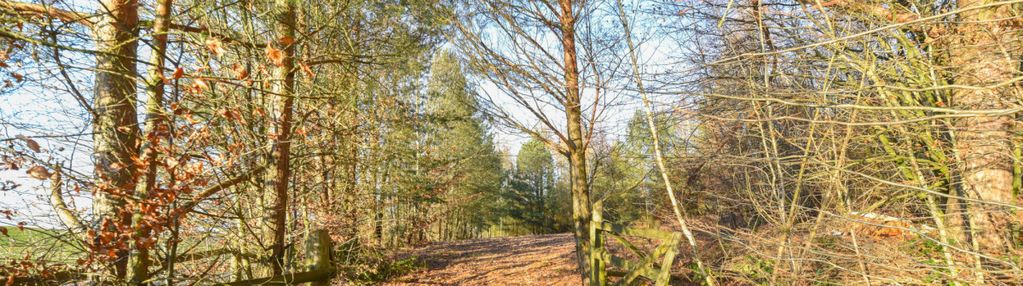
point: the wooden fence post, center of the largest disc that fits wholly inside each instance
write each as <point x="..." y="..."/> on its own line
<point x="664" y="276"/>
<point x="598" y="271"/>
<point x="316" y="263"/>
<point x="655" y="266"/>
<point x="318" y="249"/>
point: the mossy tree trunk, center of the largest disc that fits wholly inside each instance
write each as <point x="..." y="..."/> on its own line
<point x="115" y="127"/>
<point x="576" y="144"/>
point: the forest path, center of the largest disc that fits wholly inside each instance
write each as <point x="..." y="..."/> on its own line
<point x="523" y="260"/>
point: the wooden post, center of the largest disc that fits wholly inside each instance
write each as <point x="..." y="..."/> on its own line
<point x="318" y="249"/>
<point x="664" y="276"/>
<point x="598" y="274"/>
<point x="655" y="266"/>
<point x="316" y="262"/>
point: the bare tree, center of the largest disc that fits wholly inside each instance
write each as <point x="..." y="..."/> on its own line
<point x="541" y="57"/>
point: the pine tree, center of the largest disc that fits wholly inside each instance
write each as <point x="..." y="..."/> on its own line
<point x="467" y="167"/>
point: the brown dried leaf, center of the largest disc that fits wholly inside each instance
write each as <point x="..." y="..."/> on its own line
<point x="178" y="73"/>
<point x="275" y="55"/>
<point x="31" y="144"/>
<point x="215" y="46"/>
<point x="240" y="71"/>
<point x="38" y="172"/>
<point x="287" y="41"/>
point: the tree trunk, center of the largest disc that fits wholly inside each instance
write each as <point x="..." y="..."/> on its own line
<point x="154" y="121"/>
<point x="576" y="146"/>
<point x="983" y="142"/>
<point x="115" y="127"/>
<point x="284" y="90"/>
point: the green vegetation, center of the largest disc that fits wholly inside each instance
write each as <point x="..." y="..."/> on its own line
<point x="782" y="141"/>
<point x="52" y="246"/>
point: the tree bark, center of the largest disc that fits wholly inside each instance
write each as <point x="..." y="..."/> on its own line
<point x="283" y="88"/>
<point x="576" y="146"/>
<point x="154" y="121"/>
<point x="984" y="142"/>
<point x="115" y="127"/>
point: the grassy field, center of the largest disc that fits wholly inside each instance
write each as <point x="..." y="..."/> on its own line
<point x="40" y="244"/>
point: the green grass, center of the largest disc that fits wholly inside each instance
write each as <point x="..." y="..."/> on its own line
<point x="40" y="244"/>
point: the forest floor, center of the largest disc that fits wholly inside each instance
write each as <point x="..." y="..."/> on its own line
<point x="523" y="260"/>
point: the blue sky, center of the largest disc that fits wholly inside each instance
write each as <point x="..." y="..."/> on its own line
<point x="655" y="55"/>
<point x="41" y="109"/>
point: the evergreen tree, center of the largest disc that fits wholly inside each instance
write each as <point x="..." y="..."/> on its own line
<point x="532" y="191"/>
<point x="467" y="166"/>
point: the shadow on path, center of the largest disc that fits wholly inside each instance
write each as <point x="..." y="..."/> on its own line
<point x="523" y="260"/>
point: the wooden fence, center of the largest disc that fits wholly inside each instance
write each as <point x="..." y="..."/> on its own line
<point x="654" y="266"/>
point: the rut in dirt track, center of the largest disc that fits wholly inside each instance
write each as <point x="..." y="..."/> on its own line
<point x="523" y="260"/>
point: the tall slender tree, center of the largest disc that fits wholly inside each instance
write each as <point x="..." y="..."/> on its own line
<point x="281" y="54"/>
<point x="531" y="53"/>
<point x="115" y="127"/>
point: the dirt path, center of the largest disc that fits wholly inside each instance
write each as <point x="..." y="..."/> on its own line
<point x="524" y="260"/>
